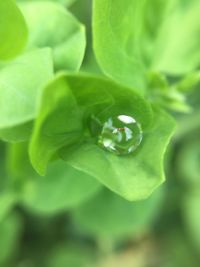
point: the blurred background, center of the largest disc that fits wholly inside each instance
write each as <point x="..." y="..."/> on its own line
<point x="105" y="230"/>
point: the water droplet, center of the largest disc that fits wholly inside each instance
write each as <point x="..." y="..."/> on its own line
<point x="120" y="135"/>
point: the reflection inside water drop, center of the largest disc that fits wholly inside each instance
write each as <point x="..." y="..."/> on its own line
<point x="121" y="135"/>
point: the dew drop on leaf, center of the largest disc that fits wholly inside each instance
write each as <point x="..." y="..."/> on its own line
<point x="120" y="135"/>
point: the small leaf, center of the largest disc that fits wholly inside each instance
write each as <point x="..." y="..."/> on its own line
<point x="189" y="82"/>
<point x="108" y="215"/>
<point x="21" y="84"/>
<point x="63" y="33"/>
<point x="166" y="95"/>
<point x="13" y="38"/>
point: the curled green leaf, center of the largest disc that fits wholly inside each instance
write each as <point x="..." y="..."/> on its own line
<point x="68" y="105"/>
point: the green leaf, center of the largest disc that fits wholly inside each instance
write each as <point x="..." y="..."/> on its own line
<point x="63" y="33"/>
<point x="13" y="30"/>
<point x="189" y="82"/>
<point x="66" y="110"/>
<point x="131" y="36"/>
<point x="58" y="123"/>
<point x="115" y="43"/>
<point x="102" y="97"/>
<point x="152" y="15"/>
<point x="21" y="84"/>
<point x="178" y="42"/>
<point x="166" y="95"/>
<point x="134" y="176"/>
<point x="66" y="186"/>
<point x="108" y="215"/>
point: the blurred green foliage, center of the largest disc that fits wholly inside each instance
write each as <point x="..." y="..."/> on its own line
<point x="67" y="218"/>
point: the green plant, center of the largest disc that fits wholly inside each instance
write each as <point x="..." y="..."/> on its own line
<point x="66" y="143"/>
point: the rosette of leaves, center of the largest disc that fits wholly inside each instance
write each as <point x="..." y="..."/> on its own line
<point x="62" y="130"/>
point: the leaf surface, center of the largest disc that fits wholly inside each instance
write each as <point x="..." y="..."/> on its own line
<point x="21" y="84"/>
<point x="13" y="39"/>
<point x="132" y="36"/>
<point x="114" y="40"/>
<point x="134" y="176"/>
<point x="63" y="33"/>
<point x="59" y="123"/>
<point x="177" y="44"/>
<point x="67" y="105"/>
